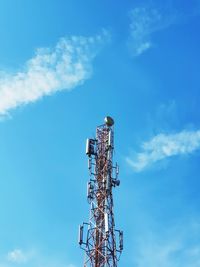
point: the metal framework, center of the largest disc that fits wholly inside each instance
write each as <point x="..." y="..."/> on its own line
<point x="102" y="243"/>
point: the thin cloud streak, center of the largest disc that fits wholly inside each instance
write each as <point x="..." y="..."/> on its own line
<point x="63" y="67"/>
<point x="164" y="146"/>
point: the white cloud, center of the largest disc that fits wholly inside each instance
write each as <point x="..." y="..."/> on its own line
<point x="146" y="20"/>
<point x="63" y="67"/>
<point x="152" y="17"/>
<point x="17" y="256"/>
<point x="32" y="258"/>
<point x="163" y="146"/>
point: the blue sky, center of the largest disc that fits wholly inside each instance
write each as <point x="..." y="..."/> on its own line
<point x="64" y="66"/>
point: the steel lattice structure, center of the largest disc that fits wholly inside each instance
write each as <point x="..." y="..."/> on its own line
<point x="102" y="243"/>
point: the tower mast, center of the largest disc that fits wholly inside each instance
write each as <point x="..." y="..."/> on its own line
<point x="102" y="243"/>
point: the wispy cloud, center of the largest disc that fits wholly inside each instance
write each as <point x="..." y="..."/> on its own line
<point x="164" y="146"/>
<point x="146" y="20"/>
<point x="150" y="18"/>
<point x="17" y="256"/>
<point x="31" y="258"/>
<point x="63" y="67"/>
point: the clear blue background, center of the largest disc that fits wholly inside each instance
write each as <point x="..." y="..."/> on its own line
<point x="43" y="167"/>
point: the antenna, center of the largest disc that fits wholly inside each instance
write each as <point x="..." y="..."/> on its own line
<point x="102" y="243"/>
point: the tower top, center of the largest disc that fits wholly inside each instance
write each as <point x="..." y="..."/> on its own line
<point x="109" y="121"/>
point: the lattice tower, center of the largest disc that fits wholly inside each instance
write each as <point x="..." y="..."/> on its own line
<point x="102" y="243"/>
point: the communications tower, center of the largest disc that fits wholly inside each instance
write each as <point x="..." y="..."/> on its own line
<point x="102" y="243"/>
